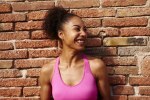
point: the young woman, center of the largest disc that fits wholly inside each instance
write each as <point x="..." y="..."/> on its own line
<point x="73" y="75"/>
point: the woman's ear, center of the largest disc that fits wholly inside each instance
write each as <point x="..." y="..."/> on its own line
<point x="60" y="35"/>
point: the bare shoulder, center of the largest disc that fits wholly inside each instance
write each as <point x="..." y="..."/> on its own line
<point x="47" y="70"/>
<point x="97" y="66"/>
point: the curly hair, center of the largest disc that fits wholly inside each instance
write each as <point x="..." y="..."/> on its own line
<point x="54" y="21"/>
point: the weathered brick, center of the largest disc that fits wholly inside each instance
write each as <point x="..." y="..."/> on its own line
<point x="127" y="21"/>
<point x="28" y="25"/>
<point x="14" y="35"/>
<point x="26" y="6"/>
<point x="119" y="97"/>
<point x="145" y="65"/>
<point x="110" y="70"/>
<point x="6" y="45"/>
<point x="39" y="35"/>
<point x="43" y="53"/>
<point x="10" y="54"/>
<point x="95" y="12"/>
<point x="35" y="44"/>
<point x="139" y="11"/>
<point x="102" y="32"/>
<point x="90" y="22"/>
<point x="139" y="31"/>
<point x="79" y="3"/>
<point x="91" y="42"/>
<point x="101" y="51"/>
<point x="126" y="70"/>
<point x="116" y="3"/>
<point x="130" y="51"/>
<point x="14" y="82"/>
<point x="9" y="73"/>
<point x="144" y="90"/>
<point x="117" y="80"/>
<point x="6" y="26"/>
<point x="138" y="97"/>
<point x="36" y="15"/>
<point x="5" y="7"/>
<point x="122" y="89"/>
<point x="120" y="60"/>
<point x="123" y="41"/>
<point x="12" y="0"/>
<point x="30" y="63"/>
<point x="31" y="91"/>
<point x="10" y="92"/>
<point x="139" y="81"/>
<point x="33" y="72"/>
<point x="6" y="63"/>
<point x="12" y="17"/>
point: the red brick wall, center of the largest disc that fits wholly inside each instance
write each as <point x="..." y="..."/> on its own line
<point x="119" y="33"/>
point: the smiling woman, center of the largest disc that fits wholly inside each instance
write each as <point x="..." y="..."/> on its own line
<point x="73" y="75"/>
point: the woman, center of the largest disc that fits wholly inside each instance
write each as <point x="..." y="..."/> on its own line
<point x="73" y="75"/>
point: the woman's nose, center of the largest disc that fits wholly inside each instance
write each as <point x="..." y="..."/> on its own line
<point x="84" y="33"/>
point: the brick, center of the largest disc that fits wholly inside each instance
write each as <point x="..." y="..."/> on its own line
<point x="139" y="81"/>
<point x="33" y="72"/>
<point x="124" y="22"/>
<point x="122" y="3"/>
<point x="132" y="70"/>
<point x="27" y="6"/>
<point x="43" y="53"/>
<point x="6" y="46"/>
<point x="123" y="41"/>
<point x="28" y="25"/>
<point x="103" y="12"/>
<point x="36" y="15"/>
<point x="10" y="54"/>
<point x="8" y="73"/>
<point x="39" y="35"/>
<point x="117" y="80"/>
<point x="6" y="63"/>
<point x="101" y="51"/>
<point x="12" y="17"/>
<point x="145" y="63"/>
<point x="30" y="63"/>
<point x="6" y="26"/>
<point x="90" y="22"/>
<point x="124" y="90"/>
<point x="138" y="97"/>
<point x="141" y="11"/>
<point x="91" y="42"/>
<point x="35" y="44"/>
<point x="120" y="60"/>
<point x="14" y="35"/>
<point x="31" y="91"/>
<point x="110" y="70"/>
<point x="130" y="51"/>
<point x="139" y="31"/>
<point x="119" y="97"/>
<point x="79" y="3"/>
<point x="10" y="92"/>
<point x="14" y="82"/>
<point x="20" y="98"/>
<point x="144" y="90"/>
<point x="103" y="32"/>
<point x="5" y="7"/>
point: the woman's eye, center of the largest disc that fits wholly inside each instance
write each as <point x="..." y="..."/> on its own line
<point x="85" y="29"/>
<point x="77" y="29"/>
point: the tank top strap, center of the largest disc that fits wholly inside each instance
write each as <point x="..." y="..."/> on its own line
<point x="87" y="65"/>
<point x="56" y="66"/>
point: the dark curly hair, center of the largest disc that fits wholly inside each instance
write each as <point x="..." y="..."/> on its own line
<point x="55" y="19"/>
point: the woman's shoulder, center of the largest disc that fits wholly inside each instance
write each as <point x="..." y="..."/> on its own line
<point x="97" y="65"/>
<point x="47" y="69"/>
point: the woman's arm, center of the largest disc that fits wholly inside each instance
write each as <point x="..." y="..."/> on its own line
<point x="102" y="79"/>
<point x="46" y="89"/>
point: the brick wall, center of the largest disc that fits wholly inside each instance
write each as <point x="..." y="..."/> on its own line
<point x="119" y="33"/>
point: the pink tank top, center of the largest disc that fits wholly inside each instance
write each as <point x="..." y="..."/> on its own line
<point x="85" y="90"/>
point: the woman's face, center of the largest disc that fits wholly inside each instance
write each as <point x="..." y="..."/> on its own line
<point x="74" y="34"/>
